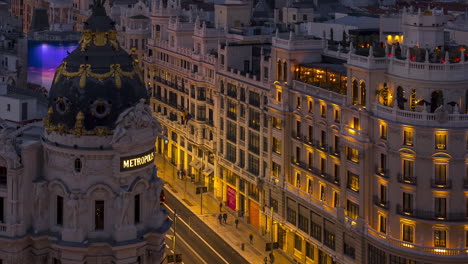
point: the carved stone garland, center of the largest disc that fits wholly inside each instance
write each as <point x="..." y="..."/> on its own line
<point x="78" y="130"/>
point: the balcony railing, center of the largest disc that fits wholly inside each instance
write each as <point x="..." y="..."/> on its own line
<point x="410" y="247"/>
<point x="326" y="176"/>
<point x="383" y="172"/>
<point x="319" y="205"/>
<point x="406" y="179"/>
<point x="441" y="184"/>
<point x="382" y="203"/>
<point x="431" y="215"/>
<point x="3" y="228"/>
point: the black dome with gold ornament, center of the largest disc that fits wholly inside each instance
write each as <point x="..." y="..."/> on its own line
<point x="95" y="83"/>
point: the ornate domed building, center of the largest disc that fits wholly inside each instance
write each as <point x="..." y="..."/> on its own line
<point x="83" y="189"/>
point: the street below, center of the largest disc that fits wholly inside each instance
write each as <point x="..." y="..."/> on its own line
<point x="195" y="240"/>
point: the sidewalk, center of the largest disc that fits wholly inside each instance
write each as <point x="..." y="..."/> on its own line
<point x="254" y="253"/>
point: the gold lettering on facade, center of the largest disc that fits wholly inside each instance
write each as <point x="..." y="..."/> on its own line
<point x="138" y="161"/>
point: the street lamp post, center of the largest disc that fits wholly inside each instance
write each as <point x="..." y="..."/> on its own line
<point x="201" y="190"/>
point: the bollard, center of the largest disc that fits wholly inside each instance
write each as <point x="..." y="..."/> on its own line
<point x="242" y="246"/>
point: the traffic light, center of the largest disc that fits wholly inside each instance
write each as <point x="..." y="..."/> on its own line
<point x="162" y="197"/>
<point x="170" y="258"/>
<point x="268" y="247"/>
<point x="178" y="258"/>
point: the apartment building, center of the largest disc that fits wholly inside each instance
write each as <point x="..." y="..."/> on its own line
<point x="341" y="154"/>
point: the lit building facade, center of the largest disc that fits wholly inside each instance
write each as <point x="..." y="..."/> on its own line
<point x="341" y="154"/>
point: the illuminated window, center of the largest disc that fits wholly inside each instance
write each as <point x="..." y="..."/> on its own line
<point x="298" y="180"/>
<point x="407" y="233"/>
<point x="382" y="224"/>
<point x="322" y="193"/>
<point x="276" y="123"/>
<point x="440" y="237"/>
<point x="352" y="209"/>
<point x="383" y="131"/>
<point x="408" y="138"/>
<point x="309" y="185"/>
<point x="336" y="199"/>
<point x="278" y="96"/>
<point x="276" y="145"/>
<point x="353" y="182"/>
<point x="310" y="106"/>
<point x="276" y="169"/>
<point x="337" y="115"/>
<point x="440" y="141"/>
<point x="352" y="154"/>
<point x="323" y="110"/>
<point x="298" y="102"/>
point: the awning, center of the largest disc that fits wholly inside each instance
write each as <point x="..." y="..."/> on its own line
<point x="195" y="164"/>
<point x="207" y="171"/>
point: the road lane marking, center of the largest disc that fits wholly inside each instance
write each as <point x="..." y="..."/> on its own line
<point x="189" y="247"/>
<point x="195" y="253"/>
<point x="206" y="243"/>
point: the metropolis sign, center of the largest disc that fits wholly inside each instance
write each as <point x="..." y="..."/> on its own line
<point x="136" y="161"/>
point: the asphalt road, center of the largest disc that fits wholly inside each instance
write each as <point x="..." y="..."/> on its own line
<point x="198" y="243"/>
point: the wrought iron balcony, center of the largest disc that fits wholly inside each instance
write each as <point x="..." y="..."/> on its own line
<point x="432" y="215"/>
<point x="406" y="179"/>
<point x="381" y="203"/>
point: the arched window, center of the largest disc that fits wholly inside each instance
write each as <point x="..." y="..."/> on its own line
<point x="285" y="71"/>
<point x="413" y="100"/>
<point x="401" y="98"/>
<point x="437" y="99"/>
<point x="278" y="70"/>
<point x="158" y="32"/>
<point x="384" y="94"/>
<point x="363" y="93"/>
<point x="78" y="165"/>
<point x="354" y="92"/>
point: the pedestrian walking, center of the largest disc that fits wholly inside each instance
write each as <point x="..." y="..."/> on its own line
<point x="236" y="222"/>
<point x="220" y="217"/>
<point x="272" y="257"/>
<point x="225" y="218"/>
<point x="251" y="238"/>
<point x="220" y="207"/>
